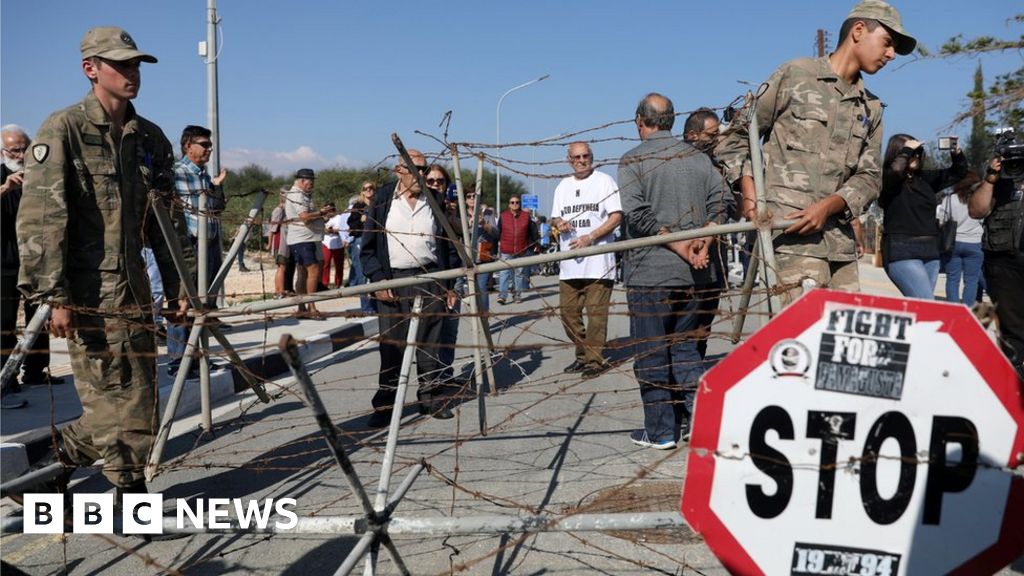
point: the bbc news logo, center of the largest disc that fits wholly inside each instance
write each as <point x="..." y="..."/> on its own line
<point x="143" y="514"/>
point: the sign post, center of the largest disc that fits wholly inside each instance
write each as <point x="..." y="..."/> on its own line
<point x="531" y="202"/>
<point x="860" y="435"/>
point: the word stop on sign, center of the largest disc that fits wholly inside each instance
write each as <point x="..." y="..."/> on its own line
<point x="860" y="435"/>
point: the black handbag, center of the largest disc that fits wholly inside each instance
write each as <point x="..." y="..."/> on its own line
<point x="947" y="229"/>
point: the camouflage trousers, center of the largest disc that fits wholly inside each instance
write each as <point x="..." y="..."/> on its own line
<point x="114" y="362"/>
<point x="800" y="272"/>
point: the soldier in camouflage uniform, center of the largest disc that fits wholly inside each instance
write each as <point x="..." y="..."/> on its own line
<point x="822" y="133"/>
<point x="85" y="216"/>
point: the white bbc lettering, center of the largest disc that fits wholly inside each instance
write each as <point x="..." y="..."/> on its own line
<point x="142" y="514"/>
<point x="219" y="508"/>
<point x="283" y="507"/>
<point x="195" y="516"/>
<point x="44" y="514"/>
<point x="92" y="513"/>
<point x="253" y="513"/>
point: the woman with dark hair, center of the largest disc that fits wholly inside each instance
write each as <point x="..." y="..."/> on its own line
<point x="910" y="238"/>
<point x="437" y="180"/>
<point x="966" y="258"/>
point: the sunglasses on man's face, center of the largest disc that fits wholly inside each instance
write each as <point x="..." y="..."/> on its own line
<point x="204" y="143"/>
<point x="422" y="169"/>
<point x="514" y="203"/>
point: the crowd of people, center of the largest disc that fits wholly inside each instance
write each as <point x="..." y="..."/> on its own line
<point x="820" y="127"/>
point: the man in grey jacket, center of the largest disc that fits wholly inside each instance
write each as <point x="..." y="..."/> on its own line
<point x="666" y="186"/>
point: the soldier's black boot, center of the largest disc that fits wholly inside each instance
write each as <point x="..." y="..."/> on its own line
<point x="59" y="453"/>
<point x="140" y="488"/>
<point x="120" y="491"/>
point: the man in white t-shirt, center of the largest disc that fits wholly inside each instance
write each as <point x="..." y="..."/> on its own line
<point x="305" y="229"/>
<point x="586" y="212"/>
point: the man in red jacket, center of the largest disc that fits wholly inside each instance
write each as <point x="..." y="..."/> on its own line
<point x="517" y="234"/>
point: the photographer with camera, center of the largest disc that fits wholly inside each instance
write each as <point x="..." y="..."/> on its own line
<point x="910" y="237"/>
<point x="998" y="199"/>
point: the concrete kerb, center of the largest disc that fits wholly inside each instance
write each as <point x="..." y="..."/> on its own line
<point x="20" y="450"/>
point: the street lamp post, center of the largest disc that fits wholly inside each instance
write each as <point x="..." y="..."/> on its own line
<point x="497" y="139"/>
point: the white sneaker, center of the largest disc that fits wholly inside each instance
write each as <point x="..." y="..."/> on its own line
<point x="640" y="438"/>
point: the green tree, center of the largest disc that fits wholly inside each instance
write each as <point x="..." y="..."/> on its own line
<point x="340" y="185"/>
<point x="509" y="185"/>
<point x="240" y="188"/>
<point x="244" y="182"/>
<point x="979" y="148"/>
<point x="336" y="185"/>
<point x="1003" y="98"/>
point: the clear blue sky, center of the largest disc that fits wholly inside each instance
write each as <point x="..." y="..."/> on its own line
<point x="318" y="83"/>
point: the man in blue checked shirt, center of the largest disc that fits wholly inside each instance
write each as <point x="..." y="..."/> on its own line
<point x="190" y="180"/>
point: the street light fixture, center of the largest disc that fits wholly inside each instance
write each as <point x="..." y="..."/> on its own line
<point x="497" y="138"/>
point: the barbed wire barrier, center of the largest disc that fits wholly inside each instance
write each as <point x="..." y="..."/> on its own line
<point x="300" y="464"/>
<point x="536" y="519"/>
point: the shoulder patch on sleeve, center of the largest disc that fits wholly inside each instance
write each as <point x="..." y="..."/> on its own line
<point x="41" y="152"/>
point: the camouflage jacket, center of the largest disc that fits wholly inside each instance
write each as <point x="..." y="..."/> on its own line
<point x="821" y="137"/>
<point x="85" y="214"/>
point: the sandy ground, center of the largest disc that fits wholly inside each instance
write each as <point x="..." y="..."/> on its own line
<point x="258" y="283"/>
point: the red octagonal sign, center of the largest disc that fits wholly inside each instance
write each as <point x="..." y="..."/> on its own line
<point x="860" y="435"/>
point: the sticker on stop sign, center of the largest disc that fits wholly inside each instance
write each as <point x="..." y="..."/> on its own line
<point x="860" y="435"/>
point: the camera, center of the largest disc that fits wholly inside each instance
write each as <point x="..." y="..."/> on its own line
<point x="1012" y="153"/>
<point x="947" y="142"/>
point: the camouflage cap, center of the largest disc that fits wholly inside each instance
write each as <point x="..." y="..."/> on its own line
<point x="889" y="17"/>
<point x="112" y="43"/>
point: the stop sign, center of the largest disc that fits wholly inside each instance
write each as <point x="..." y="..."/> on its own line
<point x="860" y="435"/>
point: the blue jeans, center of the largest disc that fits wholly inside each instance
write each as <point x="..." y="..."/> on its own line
<point x="355" y="274"/>
<point x="667" y="364"/>
<point x="482" y="281"/>
<point x="156" y="284"/>
<point x="914" y="278"/>
<point x="506" y="275"/>
<point x="177" y="334"/>
<point x="964" y="260"/>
